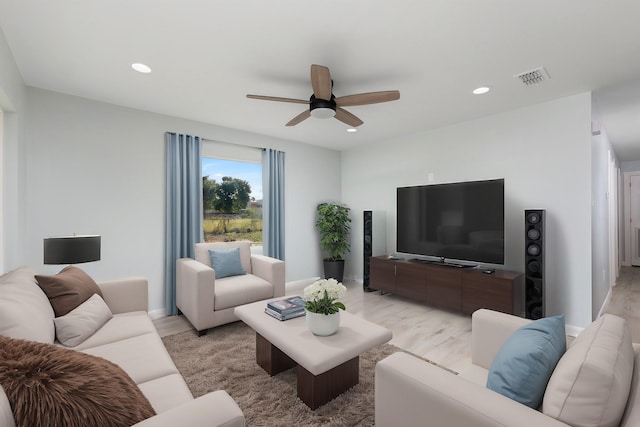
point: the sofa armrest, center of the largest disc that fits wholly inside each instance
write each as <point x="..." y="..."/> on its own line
<point x="489" y="330"/>
<point x="270" y="269"/>
<point x="126" y="295"/>
<point x="213" y="409"/>
<point x="6" y="413"/>
<point x="412" y="392"/>
<point x="195" y="291"/>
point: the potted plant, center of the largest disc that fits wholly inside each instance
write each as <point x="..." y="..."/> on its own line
<point x="323" y="307"/>
<point x="334" y="225"/>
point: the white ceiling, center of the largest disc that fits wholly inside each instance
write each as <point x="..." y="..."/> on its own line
<point x="207" y="55"/>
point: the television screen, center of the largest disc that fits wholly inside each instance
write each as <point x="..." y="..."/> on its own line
<point x="460" y="221"/>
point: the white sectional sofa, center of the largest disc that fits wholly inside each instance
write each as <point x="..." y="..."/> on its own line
<point x="129" y="339"/>
<point x="595" y="383"/>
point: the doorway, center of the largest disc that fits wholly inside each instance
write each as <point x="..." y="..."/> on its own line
<point x="632" y="217"/>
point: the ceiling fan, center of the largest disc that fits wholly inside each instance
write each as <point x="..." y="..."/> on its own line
<point x="323" y="104"/>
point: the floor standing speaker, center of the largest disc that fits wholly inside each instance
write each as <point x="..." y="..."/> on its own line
<point x="534" y="263"/>
<point x="374" y="242"/>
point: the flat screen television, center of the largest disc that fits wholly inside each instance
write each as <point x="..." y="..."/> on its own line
<point x="462" y="221"/>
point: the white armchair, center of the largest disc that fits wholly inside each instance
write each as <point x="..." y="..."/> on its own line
<point x="207" y="301"/>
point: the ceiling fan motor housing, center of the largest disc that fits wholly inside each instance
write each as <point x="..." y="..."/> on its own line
<point x="322" y="108"/>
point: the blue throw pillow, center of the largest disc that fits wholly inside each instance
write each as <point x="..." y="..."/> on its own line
<point x="226" y="262"/>
<point x="525" y="362"/>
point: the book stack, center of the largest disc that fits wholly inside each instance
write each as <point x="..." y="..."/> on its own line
<point x="286" y="309"/>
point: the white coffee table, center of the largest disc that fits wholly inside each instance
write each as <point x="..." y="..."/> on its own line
<point x="326" y="366"/>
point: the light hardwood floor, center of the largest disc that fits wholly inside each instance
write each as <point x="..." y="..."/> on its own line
<point x="441" y="336"/>
<point x="625" y="299"/>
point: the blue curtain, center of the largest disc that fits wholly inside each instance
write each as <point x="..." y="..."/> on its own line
<point x="273" y="203"/>
<point x="184" y="207"/>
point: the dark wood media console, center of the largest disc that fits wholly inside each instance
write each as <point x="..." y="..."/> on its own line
<point x="459" y="289"/>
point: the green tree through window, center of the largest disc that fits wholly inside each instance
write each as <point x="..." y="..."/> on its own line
<point x="232" y="200"/>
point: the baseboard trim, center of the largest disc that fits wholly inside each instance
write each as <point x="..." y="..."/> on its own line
<point x="157" y="314"/>
<point x="606" y="302"/>
<point x="573" y="331"/>
<point x="299" y="284"/>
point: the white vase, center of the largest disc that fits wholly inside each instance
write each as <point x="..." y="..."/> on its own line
<point x="323" y="324"/>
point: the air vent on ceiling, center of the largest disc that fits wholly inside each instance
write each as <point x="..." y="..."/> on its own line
<point x="532" y="77"/>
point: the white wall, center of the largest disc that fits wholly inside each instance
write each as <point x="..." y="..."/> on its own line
<point x="630" y="166"/>
<point x="601" y="151"/>
<point x="98" y="168"/>
<point x="12" y="183"/>
<point x="544" y="154"/>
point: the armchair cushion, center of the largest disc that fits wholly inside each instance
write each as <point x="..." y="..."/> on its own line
<point x="68" y="289"/>
<point x="226" y="262"/>
<point x="240" y="290"/>
<point x="591" y="383"/>
<point x="525" y="362"/>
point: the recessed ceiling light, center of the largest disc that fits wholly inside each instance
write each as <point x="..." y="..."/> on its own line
<point x="141" y="68"/>
<point x="481" y="90"/>
<point x="352" y="130"/>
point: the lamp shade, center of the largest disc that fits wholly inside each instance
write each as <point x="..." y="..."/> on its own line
<point x="71" y="249"/>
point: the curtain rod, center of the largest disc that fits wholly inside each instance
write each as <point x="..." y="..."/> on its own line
<point x="231" y="143"/>
<point x="224" y="142"/>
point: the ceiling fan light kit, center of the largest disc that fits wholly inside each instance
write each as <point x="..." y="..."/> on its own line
<point x="322" y="109"/>
<point x="323" y="104"/>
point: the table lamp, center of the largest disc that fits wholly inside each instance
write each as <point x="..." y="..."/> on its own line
<point x="71" y="249"/>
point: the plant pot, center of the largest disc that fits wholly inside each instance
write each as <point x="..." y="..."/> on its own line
<point x="323" y="324"/>
<point x="334" y="269"/>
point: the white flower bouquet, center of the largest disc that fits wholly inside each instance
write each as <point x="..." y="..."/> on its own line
<point x="321" y="296"/>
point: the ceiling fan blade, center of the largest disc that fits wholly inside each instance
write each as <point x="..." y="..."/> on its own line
<point x="276" y="98"/>
<point x="348" y="118"/>
<point x="300" y="117"/>
<point x="321" y="82"/>
<point x="368" y="98"/>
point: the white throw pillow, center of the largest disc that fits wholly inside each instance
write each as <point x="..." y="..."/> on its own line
<point x="25" y="311"/>
<point x="82" y="322"/>
<point x="591" y="382"/>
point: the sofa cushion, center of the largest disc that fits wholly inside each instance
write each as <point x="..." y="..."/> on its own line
<point x="49" y="385"/>
<point x="82" y="322"/>
<point x="25" y="311"/>
<point x="590" y="385"/>
<point x="166" y="392"/>
<point x="121" y="326"/>
<point x="68" y="289"/>
<point x="631" y="415"/>
<point x="226" y="262"/>
<point x="143" y="357"/>
<point x="524" y="363"/>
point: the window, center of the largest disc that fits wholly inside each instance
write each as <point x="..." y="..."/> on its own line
<point x="232" y="198"/>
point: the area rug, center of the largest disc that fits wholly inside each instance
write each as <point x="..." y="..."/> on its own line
<point x="224" y="359"/>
